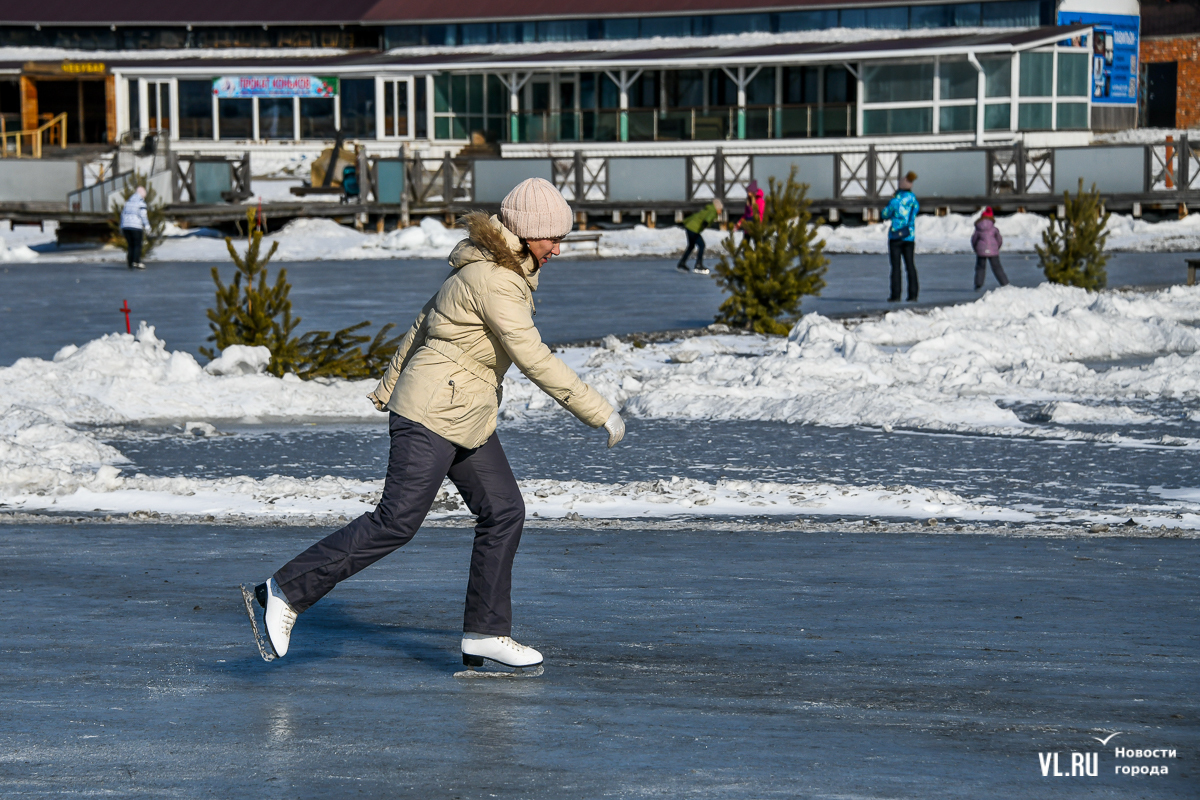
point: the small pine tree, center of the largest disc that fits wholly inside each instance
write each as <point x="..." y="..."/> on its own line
<point x="776" y="263"/>
<point x="252" y="311"/>
<point x="156" y="212"/>
<point x="1072" y="248"/>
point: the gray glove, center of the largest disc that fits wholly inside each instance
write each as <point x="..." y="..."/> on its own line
<point x="615" y="427"/>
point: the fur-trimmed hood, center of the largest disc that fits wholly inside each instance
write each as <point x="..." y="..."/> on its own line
<point x="488" y="240"/>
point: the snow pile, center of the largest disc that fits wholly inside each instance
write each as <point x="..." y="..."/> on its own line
<point x="15" y="253"/>
<point x="122" y="379"/>
<point x="960" y="368"/>
<point x="430" y="239"/>
<point x="239" y="359"/>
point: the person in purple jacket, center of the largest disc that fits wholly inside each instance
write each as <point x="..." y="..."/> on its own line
<point x="986" y="241"/>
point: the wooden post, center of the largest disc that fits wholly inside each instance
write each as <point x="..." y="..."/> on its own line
<point x="447" y="181"/>
<point x="110" y="109"/>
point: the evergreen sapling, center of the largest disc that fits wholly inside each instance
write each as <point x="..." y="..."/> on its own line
<point x="251" y="310"/>
<point x="1072" y="248"/>
<point x="777" y="261"/>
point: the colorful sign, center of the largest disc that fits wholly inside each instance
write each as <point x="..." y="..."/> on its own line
<point x="83" y="67"/>
<point x="1114" y="55"/>
<point x="274" y="86"/>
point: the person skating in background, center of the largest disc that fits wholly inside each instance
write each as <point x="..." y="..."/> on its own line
<point x="902" y="234"/>
<point x="694" y="227"/>
<point x="756" y="205"/>
<point x="442" y="392"/>
<point x="135" y="224"/>
<point x="986" y="242"/>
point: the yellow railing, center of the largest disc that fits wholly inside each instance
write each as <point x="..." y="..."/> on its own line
<point x="35" y="136"/>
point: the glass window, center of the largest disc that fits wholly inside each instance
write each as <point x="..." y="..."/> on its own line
<point x="1037" y="74"/>
<point x="800" y="84"/>
<point x="477" y="33"/>
<point x="441" y="93"/>
<point x="839" y="88"/>
<point x="722" y="91"/>
<point x="458" y="94"/>
<point x="740" y="23"/>
<point x="685" y="88"/>
<point x="235" y="118"/>
<point x="402" y="36"/>
<point x="1034" y="117"/>
<point x="898" y="83"/>
<point x="956" y="119"/>
<point x="1013" y="14"/>
<point x="135" y="117"/>
<point x="898" y="120"/>
<point x="997" y="73"/>
<point x="567" y="30"/>
<point x="807" y="20"/>
<point x="618" y="28"/>
<point x="996" y="117"/>
<point x="963" y="14"/>
<point x="395" y="109"/>
<point x="931" y="16"/>
<point x="420" y="104"/>
<point x="195" y="109"/>
<point x="890" y="17"/>
<point x="516" y="32"/>
<point x="441" y="34"/>
<point x="761" y="91"/>
<point x="958" y="80"/>
<point x="357" y="98"/>
<point x="665" y="26"/>
<point x="852" y="18"/>
<point x="316" y="118"/>
<point x="1072" y="75"/>
<point x="1072" y="116"/>
<point x="275" y="118"/>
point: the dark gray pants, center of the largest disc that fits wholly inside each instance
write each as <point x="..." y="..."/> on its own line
<point x="898" y="249"/>
<point x="418" y="461"/>
<point x="133" y="245"/>
<point x="981" y="263"/>
<point x="694" y="240"/>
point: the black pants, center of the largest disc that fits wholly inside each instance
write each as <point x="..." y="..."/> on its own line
<point x="693" y="240"/>
<point x="896" y="249"/>
<point x="133" y="240"/>
<point x="981" y="263"/>
<point x="418" y="461"/>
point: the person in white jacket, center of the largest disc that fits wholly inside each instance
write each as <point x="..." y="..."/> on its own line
<point x="135" y="224"/>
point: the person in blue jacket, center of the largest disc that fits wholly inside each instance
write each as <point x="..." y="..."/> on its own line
<point x="902" y="211"/>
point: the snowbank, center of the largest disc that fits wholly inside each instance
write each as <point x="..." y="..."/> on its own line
<point x="1049" y="362"/>
<point x="321" y="239"/>
<point x="964" y="368"/>
<point x="15" y="253"/>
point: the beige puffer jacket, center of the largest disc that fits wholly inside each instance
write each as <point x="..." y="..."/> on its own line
<point x="448" y="372"/>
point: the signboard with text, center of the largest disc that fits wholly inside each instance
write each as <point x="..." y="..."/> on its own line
<point x="274" y="86"/>
<point x="1114" y="78"/>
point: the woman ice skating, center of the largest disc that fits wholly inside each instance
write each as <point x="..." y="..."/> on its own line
<point x="442" y="391"/>
<point x="986" y="242"/>
<point x="902" y="234"/>
<point x="135" y="224"/>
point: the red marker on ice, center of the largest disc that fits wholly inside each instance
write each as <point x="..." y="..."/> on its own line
<point x="125" y="309"/>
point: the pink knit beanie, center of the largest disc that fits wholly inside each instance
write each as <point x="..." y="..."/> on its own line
<point x="534" y="209"/>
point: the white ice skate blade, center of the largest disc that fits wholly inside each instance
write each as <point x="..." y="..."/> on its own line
<point x="518" y="672"/>
<point x="264" y="649"/>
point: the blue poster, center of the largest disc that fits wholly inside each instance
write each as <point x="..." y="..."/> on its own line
<point x="1114" y="55"/>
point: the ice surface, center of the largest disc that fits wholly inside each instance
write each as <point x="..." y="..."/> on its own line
<point x="1005" y="365"/>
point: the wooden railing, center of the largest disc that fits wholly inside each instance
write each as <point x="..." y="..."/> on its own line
<point x="35" y="136"/>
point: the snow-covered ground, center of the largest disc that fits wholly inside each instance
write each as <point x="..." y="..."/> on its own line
<point x="319" y="239"/>
<point x="1018" y="363"/>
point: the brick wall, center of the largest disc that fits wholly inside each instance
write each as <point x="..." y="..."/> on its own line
<point x="1185" y="50"/>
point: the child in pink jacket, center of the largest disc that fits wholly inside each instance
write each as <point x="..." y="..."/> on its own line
<point x="986" y="242"/>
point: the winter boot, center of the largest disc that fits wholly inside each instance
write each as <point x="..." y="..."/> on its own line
<point x="278" y="616"/>
<point x="502" y="649"/>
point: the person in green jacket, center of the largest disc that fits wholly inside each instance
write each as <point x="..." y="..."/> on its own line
<point x="694" y="226"/>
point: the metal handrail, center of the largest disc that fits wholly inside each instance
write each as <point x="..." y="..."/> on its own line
<point x="104" y="190"/>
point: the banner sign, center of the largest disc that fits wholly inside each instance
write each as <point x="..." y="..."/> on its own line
<point x="1114" y="77"/>
<point x="274" y="86"/>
